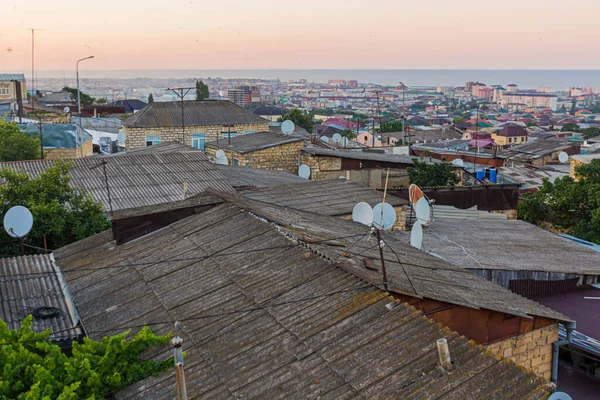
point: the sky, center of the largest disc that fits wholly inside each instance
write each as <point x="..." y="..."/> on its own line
<point x="319" y="34"/>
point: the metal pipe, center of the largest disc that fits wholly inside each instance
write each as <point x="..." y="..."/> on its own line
<point x="570" y="326"/>
<point x="179" y="375"/>
<point x="79" y="144"/>
<point x="444" y="354"/>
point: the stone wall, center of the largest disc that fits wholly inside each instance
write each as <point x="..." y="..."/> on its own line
<point x="532" y="350"/>
<point x="65" y="153"/>
<point x="321" y="166"/>
<point x="574" y="164"/>
<point x="136" y="137"/>
<point x="280" y="158"/>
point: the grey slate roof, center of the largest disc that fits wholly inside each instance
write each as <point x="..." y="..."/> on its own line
<point x="334" y="197"/>
<point x="536" y="149"/>
<point x="508" y="245"/>
<point x="254" y="141"/>
<point x="264" y="318"/>
<point x="164" y="147"/>
<point x="139" y="179"/>
<point x="364" y="155"/>
<point x="196" y="113"/>
<point x="246" y="177"/>
<point x="30" y="283"/>
<point x="12" y="77"/>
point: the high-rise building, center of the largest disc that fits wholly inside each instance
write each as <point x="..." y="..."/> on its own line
<point x="243" y="96"/>
<point x="352" y="84"/>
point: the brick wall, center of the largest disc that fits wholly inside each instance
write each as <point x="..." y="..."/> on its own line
<point x="532" y="350"/>
<point x="574" y="164"/>
<point x="280" y="158"/>
<point x="321" y="166"/>
<point x="64" y="153"/>
<point x="136" y="137"/>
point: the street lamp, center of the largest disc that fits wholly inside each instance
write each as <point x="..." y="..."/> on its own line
<point x="79" y="104"/>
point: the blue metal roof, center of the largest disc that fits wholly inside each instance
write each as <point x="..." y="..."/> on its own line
<point x="58" y="135"/>
<point x="12" y="77"/>
<point x="584" y="243"/>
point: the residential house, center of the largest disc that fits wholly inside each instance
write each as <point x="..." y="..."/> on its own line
<point x="203" y="121"/>
<point x="267" y="150"/>
<point x="10" y="85"/>
<point x="530" y="177"/>
<point x="56" y="99"/>
<point x="580" y="159"/>
<point x="510" y="135"/>
<point x="131" y="105"/>
<point x="62" y="141"/>
<point x="540" y="152"/>
<point x="269" y="113"/>
<point x="283" y="306"/>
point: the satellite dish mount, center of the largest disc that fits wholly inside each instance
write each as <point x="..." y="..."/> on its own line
<point x="18" y="222"/>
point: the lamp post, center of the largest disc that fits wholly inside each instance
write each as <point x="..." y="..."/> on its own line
<point x="79" y="104"/>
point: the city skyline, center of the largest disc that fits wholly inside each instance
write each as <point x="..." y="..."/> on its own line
<point x="233" y="34"/>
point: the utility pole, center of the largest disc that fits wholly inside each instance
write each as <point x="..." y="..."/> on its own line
<point x="33" y="65"/>
<point x="379" y="114"/>
<point x="179" y="375"/>
<point x="39" y="115"/>
<point x="103" y="163"/>
<point x="180" y="93"/>
<point x="79" y="103"/>
<point x="403" y="116"/>
<point x="476" y="143"/>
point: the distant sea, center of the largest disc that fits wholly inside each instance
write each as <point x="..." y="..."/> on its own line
<point x="525" y="79"/>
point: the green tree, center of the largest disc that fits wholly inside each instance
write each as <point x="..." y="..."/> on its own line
<point x="570" y="127"/>
<point x="16" y="145"/>
<point x="102" y="100"/>
<point x="300" y="118"/>
<point x="457" y="120"/>
<point x="150" y="98"/>
<point x="567" y="204"/>
<point x="349" y="133"/>
<point x="427" y="175"/>
<point x="590" y="132"/>
<point x="33" y="368"/>
<point x="532" y="124"/>
<point x="201" y="91"/>
<point x="573" y="107"/>
<point x="86" y="99"/>
<point x="60" y="212"/>
<point x="391" y="126"/>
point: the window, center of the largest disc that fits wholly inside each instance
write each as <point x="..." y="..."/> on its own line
<point x="199" y="140"/>
<point x="247" y="132"/>
<point x="153" y="139"/>
<point x="4" y="90"/>
<point x="227" y="134"/>
<point x="236" y="162"/>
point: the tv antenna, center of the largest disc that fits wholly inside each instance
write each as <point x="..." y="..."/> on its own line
<point x="287" y="127"/>
<point x="337" y="138"/>
<point x="324" y="139"/>
<point x="563" y="157"/>
<point x="18" y="222"/>
<point x="181" y="93"/>
<point x="304" y="171"/>
<point x="458" y="162"/>
<point x="362" y="213"/>
<point x="221" y="158"/>
<point x="416" y="236"/>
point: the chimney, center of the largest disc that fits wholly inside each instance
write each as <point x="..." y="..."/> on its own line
<point x="444" y="354"/>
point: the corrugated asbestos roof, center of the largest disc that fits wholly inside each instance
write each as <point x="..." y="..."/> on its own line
<point x="32" y="285"/>
<point x="12" y="77"/>
<point x="196" y="113"/>
<point x="325" y="334"/>
<point x="139" y="179"/>
<point x="246" y="177"/>
<point x="334" y="197"/>
<point x="507" y="245"/>
<point x="166" y="147"/>
<point x="253" y="142"/>
<point x="366" y="155"/>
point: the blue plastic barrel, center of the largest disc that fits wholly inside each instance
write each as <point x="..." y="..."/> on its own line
<point x="493" y="175"/>
<point x="480" y="174"/>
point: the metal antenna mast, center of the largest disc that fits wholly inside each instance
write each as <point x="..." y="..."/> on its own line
<point x="33" y="65"/>
<point x="181" y="93"/>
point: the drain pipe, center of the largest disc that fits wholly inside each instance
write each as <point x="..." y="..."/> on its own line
<point x="570" y="327"/>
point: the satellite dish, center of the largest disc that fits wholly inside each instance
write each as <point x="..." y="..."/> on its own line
<point x="18" y="222"/>
<point x="287" y="127"/>
<point x="414" y="193"/>
<point x="344" y="141"/>
<point x="389" y="216"/>
<point x="221" y="158"/>
<point x="66" y="110"/>
<point x="304" y="171"/>
<point x="559" y="396"/>
<point x="563" y="157"/>
<point x="458" y="162"/>
<point x="121" y="137"/>
<point x="416" y="236"/>
<point x="325" y="139"/>
<point x="422" y="211"/>
<point x="220" y="153"/>
<point x="337" y="138"/>
<point x="362" y="213"/>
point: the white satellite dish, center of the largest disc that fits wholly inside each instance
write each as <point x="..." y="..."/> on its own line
<point x="336" y="138"/>
<point x="563" y="157"/>
<point x="422" y="211"/>
<point x="287" y="127"/>
<point x="559" y="396"/>
<point x="121" y="138"/>
<point x="304" y="171"/>
<point x="344" y="141"/>
<point x="416" y="236"/>
<point x="389" y="216"/>
<point x="66" y="110"/>
<point x="325" y="139"/>
<point x="362" y="213"/>
<point x="220" y="153"/>
<point x="221" y="158"/>
<point x="18" y="221"/>
<point x="458" y="162"/>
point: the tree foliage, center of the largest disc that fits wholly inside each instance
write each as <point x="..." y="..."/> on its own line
<point x="150" y="98"/>
<point x="16" y="145"/>
<point x="62" y="213"/>
<point x="33" y="368"/>
<point x="86" y="99"/>
<point x="299" y="118"/>
<point x="568" y="205"/>
<point x="427" y="175"/>
<point x="590" y="132"/>
<point x="457" y="120"/>
<point x="102" y="100"/>
<point x="570" y="127"/>
<point x="391" y="126"/>
<point x="202" y="91"/>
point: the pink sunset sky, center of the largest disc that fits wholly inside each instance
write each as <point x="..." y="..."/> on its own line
<point x="270" y="34"/>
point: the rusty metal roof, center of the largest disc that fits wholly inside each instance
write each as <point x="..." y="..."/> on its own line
<point x="34" y="285"/>
<point x="196" y="113"/>
<point x="334" y="197"/>
<point x="263" y="317"/>
<point x="138" y="179"/>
